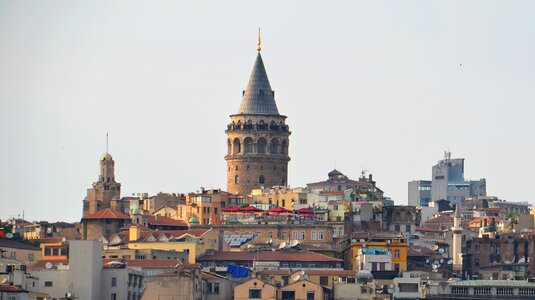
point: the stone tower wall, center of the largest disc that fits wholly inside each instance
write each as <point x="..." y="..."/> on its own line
<point x="257" y="152"/>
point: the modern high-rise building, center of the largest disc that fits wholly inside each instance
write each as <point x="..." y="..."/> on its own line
<point x="447" y="183"/>
<point x="419" y="192"/>
<point x="257" y="138"/>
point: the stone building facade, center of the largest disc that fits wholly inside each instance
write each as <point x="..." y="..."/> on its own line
<point x="257" y="138"/>
<point x="105" y="192"/>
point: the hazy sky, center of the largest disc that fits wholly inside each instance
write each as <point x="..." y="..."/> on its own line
<point x="384" y="86"/>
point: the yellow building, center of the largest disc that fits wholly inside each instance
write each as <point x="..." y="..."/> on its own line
<point x="194" y="242"/>
<point x="324" y="278"/>
<point x="396" y="244"/>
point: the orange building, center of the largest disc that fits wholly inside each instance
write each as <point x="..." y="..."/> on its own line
<point x="396" y="243"/>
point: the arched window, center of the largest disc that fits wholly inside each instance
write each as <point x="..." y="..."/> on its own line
<point x="261" y="145"/>
<point x="236" y="146"/>
<point x="236" y="167"/>
<point x="248" y="145"/>
<point x="236" y="179"/>
<point x="284" y="147"/>
<point x="229" y="144"/>
<point x="273" y="146"/>
<point x="261" y="179"/>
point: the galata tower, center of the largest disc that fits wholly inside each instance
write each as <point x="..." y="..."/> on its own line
<point x="257" y="137"/>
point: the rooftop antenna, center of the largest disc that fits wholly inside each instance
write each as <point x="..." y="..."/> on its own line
<point x="259" y="41"/>
<point x="106" y="142"/>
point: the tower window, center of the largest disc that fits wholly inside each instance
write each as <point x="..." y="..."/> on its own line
<point x="261" y="167"/>
<point x="248" y="145"/>
<point x="248" y="167"/>
<point x="261" y="145"/>
<point x="261" y="179"/>
<point x="236" y="179"/>
<point x="273" y="146"/>
<point x="236" y="168"/>
<point x="236" y="146"/>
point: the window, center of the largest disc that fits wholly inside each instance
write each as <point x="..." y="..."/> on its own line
<point x="236" y="179"/>
<point x="396" y="267"/>
<point x="30" y="256"/>
<point x="478" y="248"/>
<point x="261" y="145"/>
<point x="255" y="293"/>
<point x="49" y="283"/>
<point x="261" y="179"/>
<point x="113" y="281"/>
<point x="285" y="279"/>
<point x="313" y="235"/>
<point x="248" y="145"/>
<point x="47" y="251"/>
<point x="302" y="235"/>
<point x="320" y="235"/>
<point x="302" y="201"/>
<point x="396" y="253"/>
<point x="288" y="295"/>
<point x="324" y="280"/>
<point x="113" y="296"/>
<point x="310" y="295"/>
<point x="270" y="234"/>
<point x="340" y="231"/>
<point x="408" y="228"/>
<point x="212" y="288"/>
<point x="294" y="234"/>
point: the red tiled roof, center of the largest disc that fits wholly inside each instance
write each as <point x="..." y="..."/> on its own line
<point x="106" y="214"/>
<point x="429" y="229"/>
<point x="144" y="233"/>
<point x="165" y="221"/>
<point x="268" y="256"/>
<point x="441" y="219"/>
<point x="330" y="272"/>
<point x="153" y="263"/>
<point x="4" y="288"/>
<point x="42" y="263"/>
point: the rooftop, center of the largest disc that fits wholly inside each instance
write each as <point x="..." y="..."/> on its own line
<point x="267" y="256"/>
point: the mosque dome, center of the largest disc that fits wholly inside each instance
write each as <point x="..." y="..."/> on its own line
<point x="193" y="220"/>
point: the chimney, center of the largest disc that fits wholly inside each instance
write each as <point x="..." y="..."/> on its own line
<point x="134" y="233"/>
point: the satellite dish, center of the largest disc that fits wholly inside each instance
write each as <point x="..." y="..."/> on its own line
<point x="362" y="240"/>
<point x="9" y="235"/>
<point x="48" y="265"/>
<point x="441" y="260"/>
<point x="296" y="277"/>
<point x="302" y="273"/>
<point x="390" y="289"/>
<point x="427" y="260"/>
<point x="294" y="243"/>
<point x="270" y="241"/>
<point x="3" y="280"/>
<point x="435" y="247"/>
<point x="273" y="249"/>
<point x="364" y="245"/>
<point x="450" y="261"/>
<point x="282" y="245"/>
<point x="441" y="250"/>
<point x="445" y="255"/>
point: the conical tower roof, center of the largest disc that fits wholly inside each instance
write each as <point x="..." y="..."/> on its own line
<point x="258" y="97"/>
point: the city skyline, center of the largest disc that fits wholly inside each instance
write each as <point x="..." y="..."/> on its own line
<point x="390" y="98"/>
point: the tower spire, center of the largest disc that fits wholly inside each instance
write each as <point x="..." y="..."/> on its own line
<point x="259" y="41"/>
<point x="106" y="142"/>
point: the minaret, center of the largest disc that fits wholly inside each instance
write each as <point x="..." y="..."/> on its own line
<point x="105" y="193"/>
<point x="457" y="238"/>
<point x="257" y="137"/>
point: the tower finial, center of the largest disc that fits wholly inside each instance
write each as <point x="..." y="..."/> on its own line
<point x="106" y="142"/>
<point x="259" y="41"/>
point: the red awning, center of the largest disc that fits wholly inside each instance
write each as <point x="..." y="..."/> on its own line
<point x="304" y="211"/>
<point x="279" y="210"/>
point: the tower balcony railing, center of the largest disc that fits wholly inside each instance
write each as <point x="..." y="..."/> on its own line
<point x="258" y="127"/>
